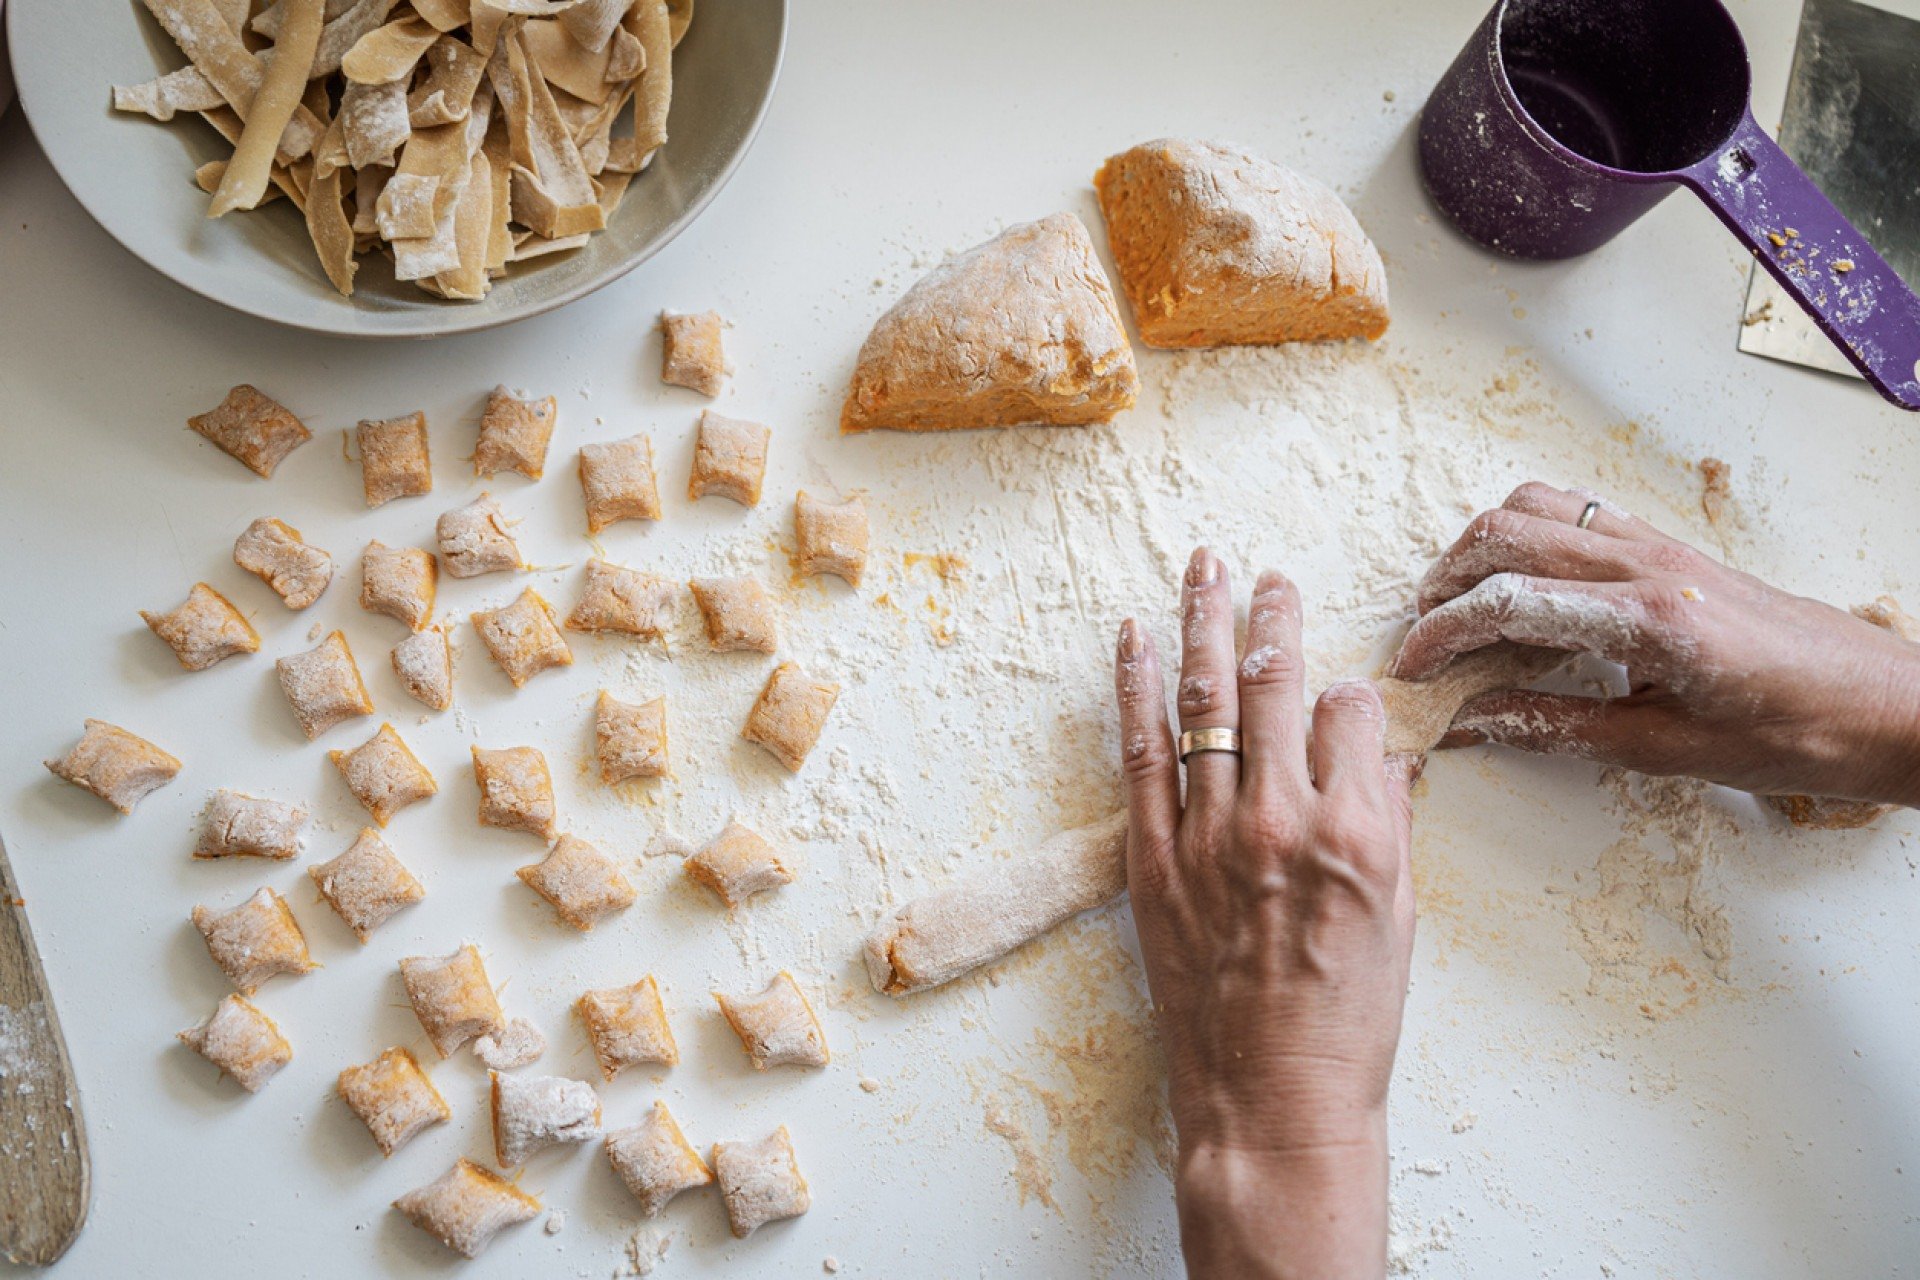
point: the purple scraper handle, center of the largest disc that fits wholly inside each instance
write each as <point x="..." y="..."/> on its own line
<point x="1817" y="256"/>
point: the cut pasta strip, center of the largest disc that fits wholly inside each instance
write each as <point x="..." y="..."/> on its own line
<point x="394" y="462"/>
<point x="760" y="1182"/>
<point x="366" y="884"/>
<point x="466" y="1207"/>
<point x="452" y="997"/>
<point x="738" y="614"/>
<point x="253" y="429"/>
<point x="475" y="539"/>
<point x="619" y="482"/>
<point x="255" y="941"/>
<point x="729" y="458"/>
<point x="384" y="775"/>
<point x="243" y="826"/>
<point x="446" y="93"/>
<point x="627" y="1027"/>
<point x="388" y="55"/>
<point x="776" y="1026"/>
<point x="119" y="767"/>
<point x="328" y="225"/>
<point x="552" y="191"/>
<point x="655" y="1161"/>
<point x="399" y="582"/>
<point x="393" y="1097"/>
<point x="832" y="537"/>
<point x="271" y="109"/>
<point x="323" y="686"/>
<point x="424" y="664"/>
<point x="374" y="123"/>
<point x="615" y="598"/>
<point x="514" y="435"/>
<point x="592" y="22"/>
<point x="691" y="353"/>
<point x="790" y="713"/>
<point x="273" y="551"/>
<point x="242" y="1041"/>
<point x="215" y="48"/>
<point x="651" y="24"/>
<point x="581" y="882"/>
<point x="203" y="630"/>
<point x="533" y="1113"/>
<point x="523" y="638"/>
<point x="185" y="89"/>
<point x="738" y="864"/>
<point x="630" y="738"/>
<point x="516" y="790"/>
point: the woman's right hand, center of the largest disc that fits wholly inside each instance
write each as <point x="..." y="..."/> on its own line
<point x="1729" y="679"/>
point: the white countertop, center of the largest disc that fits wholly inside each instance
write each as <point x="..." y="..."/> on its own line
<point x="1762" y="1122"/>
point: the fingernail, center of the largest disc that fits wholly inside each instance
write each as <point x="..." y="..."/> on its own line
<point x="1129" y="641"/>
<point x="1270" y="580"/>
<point x="1203" y="569"/>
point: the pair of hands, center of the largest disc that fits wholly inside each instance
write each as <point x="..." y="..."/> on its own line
<point x="1274" y="901"/>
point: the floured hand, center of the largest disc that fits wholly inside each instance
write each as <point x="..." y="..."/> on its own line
<point x="1729" y="679"/>
<point x="1275" y="910"/>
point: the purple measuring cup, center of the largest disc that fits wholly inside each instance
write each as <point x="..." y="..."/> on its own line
<point x="1564" y="120"/>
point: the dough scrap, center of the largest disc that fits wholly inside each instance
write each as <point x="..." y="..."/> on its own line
<point x="729" y="458"/>
<point x="514" y="435"/>
<point x="630" y="738"/>
<point x="242" y="1041"/>
<point x="466" y="1207"/>
<point x="515" y="1045"/>
<point x="691" y="354"/>
<point x="475" y="539"/>
<point x="255" y="941"/>
<point x="738" y="613"/>
<point x="581" y="882"/>
<point x="366" y="884"/>
<point x="119" y="767"/>
<point x="452" y="998"/>
<point x="531" y="1113"/>
<point x="249" y="426"/>
<point x="832" y="537"/>
<point x="1020" y="330"/>
<point x="776" y="1026"/>
<point x="615" y="598"/>
<point x="393" y="1097"/>
<point x="738" y="864"/>
<point x="384" y="775"/>
<point x="760" y="1181"/>
<point x="274" y="551"/>
<point x="655" y="1160"/>
<point x="516" y="790"/>
<point x="619" y="482"/>
<point x="237" y="825"/>
<point x="790" y="713"/>
<point x="424" y="664"/>
<point x="1215" y="245"/>
<point x="399" y="582"/>
<point x="627" y="1027"/>
<point x="394" y="461"/>
<point x="522" y="637"/>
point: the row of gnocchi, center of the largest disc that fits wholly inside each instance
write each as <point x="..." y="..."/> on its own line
<point x="626" y="1026"/>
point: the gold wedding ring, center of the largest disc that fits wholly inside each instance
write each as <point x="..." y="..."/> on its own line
<point x="1586" y="515"/>
<point x="1194" y="741"/>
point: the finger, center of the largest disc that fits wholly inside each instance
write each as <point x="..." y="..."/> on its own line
<point x="1147" y="762"/>
<point x="1567" y="506"/>
<point x="1350" y="743"/>
<point x="1208" y="696"/>
<point x="1507" y="541"/>
<point x="1617" y="731"/>
<point x="1599" y="618"/>
<point x="1272" y="689"/>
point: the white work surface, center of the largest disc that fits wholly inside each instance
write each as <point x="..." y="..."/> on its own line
<point x="1679" y="1042"/>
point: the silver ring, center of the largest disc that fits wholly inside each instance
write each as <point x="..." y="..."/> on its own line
<point x="1195" y="741"/>
<point x="1587" y="514"/>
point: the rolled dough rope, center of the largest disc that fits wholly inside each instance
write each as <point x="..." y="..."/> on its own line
<point x="933" y="940"/>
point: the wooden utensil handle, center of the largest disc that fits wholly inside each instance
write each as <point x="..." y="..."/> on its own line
<point x="43" y="1146"/>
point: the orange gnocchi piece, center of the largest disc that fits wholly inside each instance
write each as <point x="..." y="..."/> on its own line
<point x="516" y="790"/>
<point x="627" y="1027"/>
<point x="366" y="884"/>
<point x="630" y="739"/>
<point x="273" y="551"/>
<point x="514" y="435"/>
<point x="399" y="582"/>
<point x="776" y="1026"/>
<point x="691" y="352"/>
<point x="581" y="882"/>
<point x="475" y="539"/>
<point x="729" y="459"/>
<point x="253" y="429"/>
<point x="242" y="1041"/>
<point x="466" y="1207"/>
<point x="384" y="774"/>
<point x="204" y="630"/>
<point x="832" y="537"/>
<point x="760" y="1182"/>
<point x="738" y="614"/>
<point x="323" y="686"/>
<point x="738" y="864"/>
<point x="619" y="482"/>
<point x="615" y="598"/>
<point x="393" y="1097"/>
<point x="523" y="638"/>
<point x="655" y="1160"/>
<point x="255" y="941"/>
<point x="424" y="664"/>
<point x="452" y="997"/>
<point x="394" y="460"/>
<point x="120" y="767"/>
<point x="790" y="713"/>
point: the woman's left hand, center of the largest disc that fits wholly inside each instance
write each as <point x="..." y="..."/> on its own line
<point x="1275" y="912"/>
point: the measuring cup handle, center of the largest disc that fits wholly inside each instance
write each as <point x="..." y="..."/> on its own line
<point x="1817" y="256"/>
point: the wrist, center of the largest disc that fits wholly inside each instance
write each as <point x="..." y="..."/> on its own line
<point x="1890" y="738"/>
<point x="1267" y="1209"/>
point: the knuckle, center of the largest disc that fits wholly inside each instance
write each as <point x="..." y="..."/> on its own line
<point x="1268" y="666"/>
<point x="1359" y="699"/>
<point x="1200" y="695"/>
<point x="1533" y="498"/>
<point x="1669" y="557"/>
<point x="1143" y="755"/>
<point x="1352" y="832"/>
<point x="1272" y="828"/>
<point x="1497" y="526"/>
